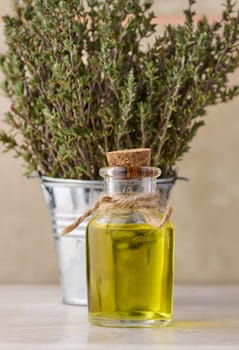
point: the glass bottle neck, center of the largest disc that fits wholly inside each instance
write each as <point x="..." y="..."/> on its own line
<point x="113" y="186"/>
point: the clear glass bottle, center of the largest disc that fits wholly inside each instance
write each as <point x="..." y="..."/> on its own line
<point x="129" y="261"/>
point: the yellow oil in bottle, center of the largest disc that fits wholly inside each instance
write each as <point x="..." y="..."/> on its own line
<point x="130" y="273"/>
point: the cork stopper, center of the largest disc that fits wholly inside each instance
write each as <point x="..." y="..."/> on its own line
<point x="132" y="159"/>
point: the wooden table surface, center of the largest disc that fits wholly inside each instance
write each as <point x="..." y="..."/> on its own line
<point x="32" y="317"/>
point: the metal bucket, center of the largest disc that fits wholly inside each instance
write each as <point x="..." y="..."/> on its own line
<point x="67" y="200"/>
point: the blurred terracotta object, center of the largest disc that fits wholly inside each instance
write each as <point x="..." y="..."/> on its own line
<point x="166" y="19"/>
<point x="169" y="19"/>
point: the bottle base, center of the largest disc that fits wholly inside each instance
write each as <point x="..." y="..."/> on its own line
<point x="128" y="323"/>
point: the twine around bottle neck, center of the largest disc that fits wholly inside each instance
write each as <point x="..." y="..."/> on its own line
<point x="145" y="204"/>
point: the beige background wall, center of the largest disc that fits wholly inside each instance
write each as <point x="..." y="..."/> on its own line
<point x="206" y="209"/>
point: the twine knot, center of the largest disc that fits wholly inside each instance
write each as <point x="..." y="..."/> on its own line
<point x="143" y="203"/>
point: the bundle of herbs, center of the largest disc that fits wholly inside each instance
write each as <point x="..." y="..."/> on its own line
<point x="82" y="82"/>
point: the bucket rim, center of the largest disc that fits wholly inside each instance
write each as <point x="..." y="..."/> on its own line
<point x="77" y="182"/>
